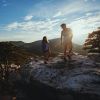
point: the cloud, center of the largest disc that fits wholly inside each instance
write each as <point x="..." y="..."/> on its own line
<point x="4" y="3"/>
<point x="57" y="14"/>
<point x="12" y="26"/>
<point x="81" y="26"/>
<point x="93" y="19"/>
<point x="49" y="9"/>
<point x="84" y="25"/>
<point x="31" y="30"/>
<point x="45" y="18"/>
<point x="63" y="9"/>
<point x="85" y="0"/>
<point x="37" y="26"/>
<point x="71" y="7"/>
<point x="27" y="18"/>
<point x="76" y="7"/>
<point x="88" y="14"/>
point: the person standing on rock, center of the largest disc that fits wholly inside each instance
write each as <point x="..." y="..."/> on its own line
<point x="66" y="40"/>
<point x="46" y="49"/>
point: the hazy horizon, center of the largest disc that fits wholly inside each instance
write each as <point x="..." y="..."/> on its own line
<point x="35" y="41"/>
<point x="30" y="20"/>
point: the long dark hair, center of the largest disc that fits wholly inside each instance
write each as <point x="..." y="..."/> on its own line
<point x="44" y="40"/>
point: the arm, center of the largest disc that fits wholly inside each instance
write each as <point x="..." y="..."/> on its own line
<point x="49" y="50"/>
<point x="71" y="34"/>
<point x="61" y="38"/>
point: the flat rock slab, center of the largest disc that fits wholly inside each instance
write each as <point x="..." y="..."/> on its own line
<point x="81" y="74"/>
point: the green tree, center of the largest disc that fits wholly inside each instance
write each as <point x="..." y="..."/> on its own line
<point x="92" y="43"/>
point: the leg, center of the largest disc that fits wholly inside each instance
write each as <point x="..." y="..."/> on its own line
<point x="65" y="49"/>
<point x="69" y="49"/>
<point x="45" y="57"/>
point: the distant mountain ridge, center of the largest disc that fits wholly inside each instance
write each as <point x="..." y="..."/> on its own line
<point x="17" y="43"/>
<point x="55" y="45"/>
<point x="18" y="51"/>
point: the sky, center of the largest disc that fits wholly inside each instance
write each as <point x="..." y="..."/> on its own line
<point x="30" y="20"/>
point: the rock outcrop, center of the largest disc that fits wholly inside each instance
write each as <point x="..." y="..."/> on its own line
<point x="81" y="74"/>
